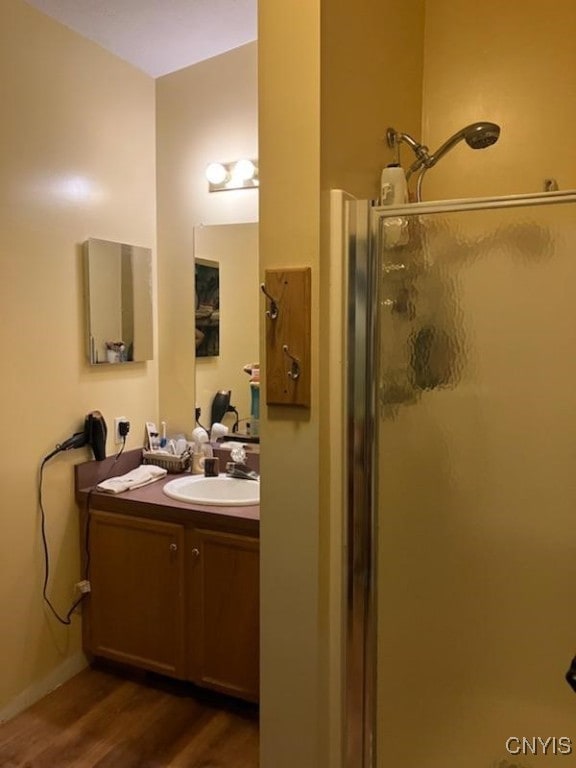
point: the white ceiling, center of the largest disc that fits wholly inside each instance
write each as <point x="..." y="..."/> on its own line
<point x="159" y="36"/>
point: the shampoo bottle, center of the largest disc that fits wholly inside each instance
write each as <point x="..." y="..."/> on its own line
<point x="394" y="192"/>
<point x="393" y="186"/>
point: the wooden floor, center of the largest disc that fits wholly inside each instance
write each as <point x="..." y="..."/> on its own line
<point x="104" y="718"/>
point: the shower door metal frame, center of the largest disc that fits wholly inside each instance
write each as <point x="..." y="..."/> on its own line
<point x="362" y="271"/>
<point x="359" y="711"/>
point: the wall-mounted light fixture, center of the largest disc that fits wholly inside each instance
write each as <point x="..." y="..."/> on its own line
<point x="240" y="174"/>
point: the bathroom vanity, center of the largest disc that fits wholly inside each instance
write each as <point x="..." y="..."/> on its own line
<point x="174" y="586"/>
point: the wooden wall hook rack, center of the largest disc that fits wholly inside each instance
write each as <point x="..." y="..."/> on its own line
<point x="288" y="336"/>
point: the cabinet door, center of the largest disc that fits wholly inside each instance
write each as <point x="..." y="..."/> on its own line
<point x="223" y="623"/>
<point x="135" y="609"/>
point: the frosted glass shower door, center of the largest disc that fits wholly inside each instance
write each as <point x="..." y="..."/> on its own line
<point x="475" y="487"/>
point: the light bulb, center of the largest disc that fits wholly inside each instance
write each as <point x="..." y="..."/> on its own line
<point x="216" y="173"/>
<point x="244" y="170"/>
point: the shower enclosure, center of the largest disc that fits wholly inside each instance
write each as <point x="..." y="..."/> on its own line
<point x="461" y="491"/>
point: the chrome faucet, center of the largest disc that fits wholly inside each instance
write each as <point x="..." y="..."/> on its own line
<point x="240" y="471"/>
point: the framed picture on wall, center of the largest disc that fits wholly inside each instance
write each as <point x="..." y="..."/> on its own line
<point x="207" y="308"/>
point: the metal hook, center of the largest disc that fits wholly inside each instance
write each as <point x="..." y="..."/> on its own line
<point x="294" y="371"/>
<point x="273" y="311"/>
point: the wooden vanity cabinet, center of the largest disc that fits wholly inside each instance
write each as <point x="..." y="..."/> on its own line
<point x="176" y="599"/>
<point x="135" y="612"/>
<point x="223" y="612"/>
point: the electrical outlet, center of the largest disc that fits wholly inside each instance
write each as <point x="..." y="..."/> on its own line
<point x="118" y="439"/>
<point x="83" y="586"/>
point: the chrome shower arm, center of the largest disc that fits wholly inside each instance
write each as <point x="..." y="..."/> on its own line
<point x="394" y="138"/>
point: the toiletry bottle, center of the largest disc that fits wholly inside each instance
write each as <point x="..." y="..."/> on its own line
<point x="394" y="192"/>
<point x="201" y="450"/>
<point x="393" y="186"/>
<point x="254" y="407"/>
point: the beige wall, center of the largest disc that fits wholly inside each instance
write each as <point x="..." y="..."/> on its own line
<point x="289" y="128"/>
<point x="327" y="93"/>
<point x="76" y="161"/>
<point x="205" y="113"/>
<point x="372" y="58"/>
<point x="513" y="64"/>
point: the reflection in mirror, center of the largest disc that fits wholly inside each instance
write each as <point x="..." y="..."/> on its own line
<point x="118" y="282"/>
<point x="233" y="249"/>
<point x="207" y="322"/>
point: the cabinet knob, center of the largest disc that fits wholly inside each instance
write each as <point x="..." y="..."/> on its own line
<point x="173" y="547"/>
<point x="196" y="552"/>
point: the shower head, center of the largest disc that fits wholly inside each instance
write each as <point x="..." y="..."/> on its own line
<point x="477" y="136"/>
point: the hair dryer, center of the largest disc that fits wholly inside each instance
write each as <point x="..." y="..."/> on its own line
<point x="96" y="431"/>
<point x="94" y="435"/>
<point x="220" y="405"/>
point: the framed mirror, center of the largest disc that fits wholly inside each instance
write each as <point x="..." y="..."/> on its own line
<point x="118" y="295"/>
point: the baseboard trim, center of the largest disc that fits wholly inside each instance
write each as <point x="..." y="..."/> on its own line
<point x="63" y="672"/>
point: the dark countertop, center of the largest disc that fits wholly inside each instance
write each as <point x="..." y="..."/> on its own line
<point x="151" y="502"/>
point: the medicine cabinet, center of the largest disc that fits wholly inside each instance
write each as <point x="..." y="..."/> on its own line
<point x="118" y="293"/>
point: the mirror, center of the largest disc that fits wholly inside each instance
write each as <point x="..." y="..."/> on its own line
<point x="231" y="252"/>
<point x="118" y="288"/>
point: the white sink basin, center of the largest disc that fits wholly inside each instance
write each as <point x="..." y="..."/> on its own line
<point x="220" y="491"/>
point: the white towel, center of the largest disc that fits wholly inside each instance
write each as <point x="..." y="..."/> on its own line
<point x="142" y="475"/>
